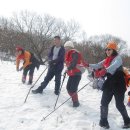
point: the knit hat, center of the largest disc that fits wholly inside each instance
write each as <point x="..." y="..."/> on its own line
<point x="112" y="45"/>
<point x="69" y="44"/>
<point x="18" y="48"/>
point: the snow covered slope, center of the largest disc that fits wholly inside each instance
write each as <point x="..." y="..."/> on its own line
<point x="15" y="115"/>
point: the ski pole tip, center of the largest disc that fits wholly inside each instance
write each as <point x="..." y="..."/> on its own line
<point x="43" y="119"/>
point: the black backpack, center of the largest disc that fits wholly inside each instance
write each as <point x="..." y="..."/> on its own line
<point x="34" y="61"/>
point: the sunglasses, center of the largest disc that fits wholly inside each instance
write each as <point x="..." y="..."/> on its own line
<point x="108" y="49"/>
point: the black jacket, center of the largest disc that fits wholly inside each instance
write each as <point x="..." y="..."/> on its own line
<point x="116" y="82"/>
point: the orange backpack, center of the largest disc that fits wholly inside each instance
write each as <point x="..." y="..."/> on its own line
<point x="127" y="76"/>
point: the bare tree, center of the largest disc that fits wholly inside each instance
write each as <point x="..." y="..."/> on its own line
<point x="39" y="30"/>
<point x="36" y="30"/>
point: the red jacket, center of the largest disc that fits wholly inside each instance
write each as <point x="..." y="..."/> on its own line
<point x="77" y="62"/>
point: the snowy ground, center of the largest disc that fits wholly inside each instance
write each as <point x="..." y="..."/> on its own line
<point x="15" y="115"/>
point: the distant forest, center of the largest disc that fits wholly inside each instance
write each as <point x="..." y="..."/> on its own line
<point x="35" y="33"/>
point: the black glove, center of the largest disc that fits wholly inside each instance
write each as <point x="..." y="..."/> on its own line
<point x="52" y="62"/>
<point x="129" y="93"/>
<point x="108" y="75"/>
<point x="42" y="63"/>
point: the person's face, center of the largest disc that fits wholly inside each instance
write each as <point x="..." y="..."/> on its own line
<point x="67" y="48"/>
<point x="57" y="41"/>
<point x="108" y="52"/>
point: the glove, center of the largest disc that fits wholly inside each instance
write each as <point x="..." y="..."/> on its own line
<point x="42" y="63"/>
<point x="52" y="62"/>
<point x="21" y="69"/>
<point x="129" y="93"/>
<point x="108" y="75"/>
<point x="65" y="72"/>
<point x="86" y="64"/>
<point x="100" y="73"/>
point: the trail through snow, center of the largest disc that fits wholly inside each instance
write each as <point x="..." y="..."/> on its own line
<point x="15" y="115"/>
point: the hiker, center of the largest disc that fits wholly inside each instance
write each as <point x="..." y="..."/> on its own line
<point x="127" y="80"/>
<point x="114" y="84"/>
<point x="56" y="65"/>
<point x="75" y="67"/>
<point x="29" y="63"/>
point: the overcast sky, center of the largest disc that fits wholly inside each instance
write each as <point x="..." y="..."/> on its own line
<point x="94" y="16"/>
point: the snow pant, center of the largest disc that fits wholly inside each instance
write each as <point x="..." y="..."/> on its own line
<point x="119" y="98"/>
<point x="72" y="87"/>
<point x="50" y="74"/>
<point x="30" y="69"/>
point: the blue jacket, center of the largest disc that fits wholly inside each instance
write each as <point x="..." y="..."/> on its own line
<point x="59" y="62"/>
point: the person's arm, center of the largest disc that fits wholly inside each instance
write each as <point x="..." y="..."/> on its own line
<point x="74" y="61"/>
<point x="116" y="63"/>
<point x="96" y="66"/>
<point x="17" y="63"/>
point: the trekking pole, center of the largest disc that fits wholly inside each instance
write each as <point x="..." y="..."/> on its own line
<point x="34" y="85"/>
<point x="65" y="101"/>
<point x="60" y="89"/>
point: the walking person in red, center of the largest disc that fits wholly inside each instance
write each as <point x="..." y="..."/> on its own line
<point x="74" y="63"/>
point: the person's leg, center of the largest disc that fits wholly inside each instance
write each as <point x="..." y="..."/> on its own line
<point x="68" y="84"/>
<point x="31" y="72"/>
<point x="106" y="98"/>
<point x="25" y="71"/>
<point x="119" y="98"/>
<point x="72" y="87"/>
<point x="57" y="82"/>
<point x="49" y="76"/>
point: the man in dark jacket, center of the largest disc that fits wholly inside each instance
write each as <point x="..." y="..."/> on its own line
<point x="56" y="64"/>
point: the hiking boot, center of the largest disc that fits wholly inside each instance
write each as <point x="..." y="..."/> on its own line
<point x="23" y="81"/>
<point x="29" y="82"/>
<point x="76" y="104"/>
<point x="104" y="123"/>
<point x="30" y="79"/>
<point x="38" y="90"/>
<point x="56" y="92"/>
<point x="126" y="124"/>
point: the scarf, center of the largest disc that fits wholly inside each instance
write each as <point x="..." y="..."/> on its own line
<point x="108" y="61"/>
